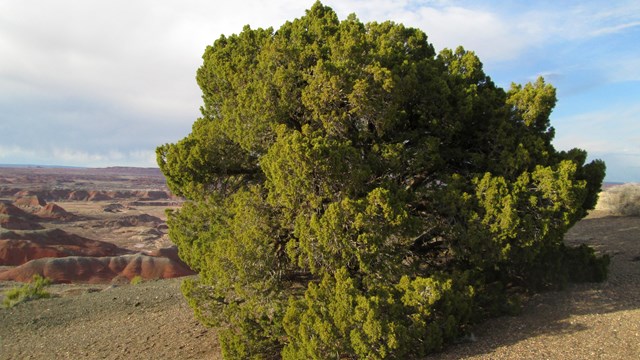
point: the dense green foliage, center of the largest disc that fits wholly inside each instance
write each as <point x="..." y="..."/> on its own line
<point x="352" y="194"/>
<point x="27" y="292"/>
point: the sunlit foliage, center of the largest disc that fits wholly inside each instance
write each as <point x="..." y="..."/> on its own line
<point x="353" y="194"/>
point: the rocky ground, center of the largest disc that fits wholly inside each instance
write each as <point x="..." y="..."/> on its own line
<point x="585" y="321"/>
<point x="150" y="320"/>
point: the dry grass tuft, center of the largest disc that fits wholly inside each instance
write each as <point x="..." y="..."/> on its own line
<point x="621" y="200"/>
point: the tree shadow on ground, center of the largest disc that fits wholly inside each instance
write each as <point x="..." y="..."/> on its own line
<point x="564" y="313"/>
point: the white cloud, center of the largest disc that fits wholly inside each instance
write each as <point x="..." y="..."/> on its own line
<point x="14" y="151"/>
<point x="96" y="75"/>
<point x="611" y="130"/>
<point x="623" y="68"/>
<point x="490" y="34"/>
<point x="140" y="55"/>
<point x="498" y="31"/>
<point x="610" y="135"/>
<point x="68" y="156"/>
<point x="621" y="167"/>
<point x="143" y="55"/>
<point x="481" y="31"/>
<point x="614" y="28"/>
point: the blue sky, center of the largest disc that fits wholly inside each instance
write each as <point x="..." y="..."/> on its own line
<point x="102" y="83"/>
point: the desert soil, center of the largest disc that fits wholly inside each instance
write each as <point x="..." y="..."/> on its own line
<point x="152" y="320"/>
<point x="584" y="321"/>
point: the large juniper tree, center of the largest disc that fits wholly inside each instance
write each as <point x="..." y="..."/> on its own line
<point x="351" y="194"/>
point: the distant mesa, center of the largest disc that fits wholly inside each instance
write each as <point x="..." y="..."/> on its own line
<point x="147" y="235"/>
<point x="153" y="195"/>
<point x="23" y="193"/>
<point x="55" y="211"/>
<point x="30" y="201"/>
<point x="170" y="252"/>
<point x="113" y="208"/>
<point x="78" y="195"/>
<point x="144" y="195"/>
<point x="19" y="248"/>
<point x="14" y="218"/>
<point x="30" y="245"/>
<point x="134" y="220"/>
<point x="98" y="196"/>
<point x="8" y="209"/>
<point x="154" y="203"/>
<point x="17" y="223"/>
<point x="79" y="269"/>
<point x="86" y="195"/>
<point x="7" y="191"/>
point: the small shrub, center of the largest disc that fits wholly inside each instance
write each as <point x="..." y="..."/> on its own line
<point x="31" y="291"/>
<point x="621" y="200"/>
<point x="136" y="280"/>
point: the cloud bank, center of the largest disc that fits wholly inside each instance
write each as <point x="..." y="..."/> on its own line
<point x="97" y="83"/>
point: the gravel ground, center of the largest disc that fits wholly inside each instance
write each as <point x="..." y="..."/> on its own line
<point x="152" y="320"/>
<point x="585" y="321"/>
